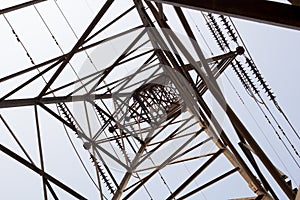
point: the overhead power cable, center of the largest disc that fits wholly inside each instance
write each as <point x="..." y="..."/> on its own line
<point x="246" y="79"/>
<point x="269" y="92"/>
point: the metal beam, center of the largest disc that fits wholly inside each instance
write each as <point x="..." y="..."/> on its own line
<point x="27" y="155"/>
<point x="235" y="159"/>
<point x="242" y="131"/>
<point x="40" y="150"/>
<point x="219" y="178"/>
<point x="62" y="57"/>
<point x="76" y="47"/>
<point x="194" y="175"/>
<point x="268" y="12"/>
<point x="29" y="81"/>
<point x="251" y="159"/>
<point x="50" y="100"/>
<point x="40" y="172"/>
<point x="295" y="2"/>
<point x="19" y="6"/>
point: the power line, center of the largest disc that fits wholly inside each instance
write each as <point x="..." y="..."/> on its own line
<point x="273" y="99"/>
<point x="259" y="127"/>
<point x="245" y="77"/>
<point x="19" y="40"/>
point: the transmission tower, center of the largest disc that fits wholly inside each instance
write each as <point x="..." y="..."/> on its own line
<point x="131" y="97"/>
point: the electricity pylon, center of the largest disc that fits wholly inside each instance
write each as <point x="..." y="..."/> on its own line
<point x="143" y="113"/>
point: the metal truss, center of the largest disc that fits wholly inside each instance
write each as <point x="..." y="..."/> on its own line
<point x="148" y="104"/>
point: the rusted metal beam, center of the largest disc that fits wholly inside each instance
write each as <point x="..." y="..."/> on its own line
<point x="251" y="159"/>
<point x="268" y="12"/>
<point x="243" y="132"/>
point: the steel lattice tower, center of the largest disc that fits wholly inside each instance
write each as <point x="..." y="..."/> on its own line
<point x="142" y="112"/>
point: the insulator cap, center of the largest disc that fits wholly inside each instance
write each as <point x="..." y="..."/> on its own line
<point x="240" y="50"/>
<point x="111" y="129"/>
<point x="87" y="145"/>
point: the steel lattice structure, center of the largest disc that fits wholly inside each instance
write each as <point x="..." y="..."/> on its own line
<point x="142" y="112"/>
